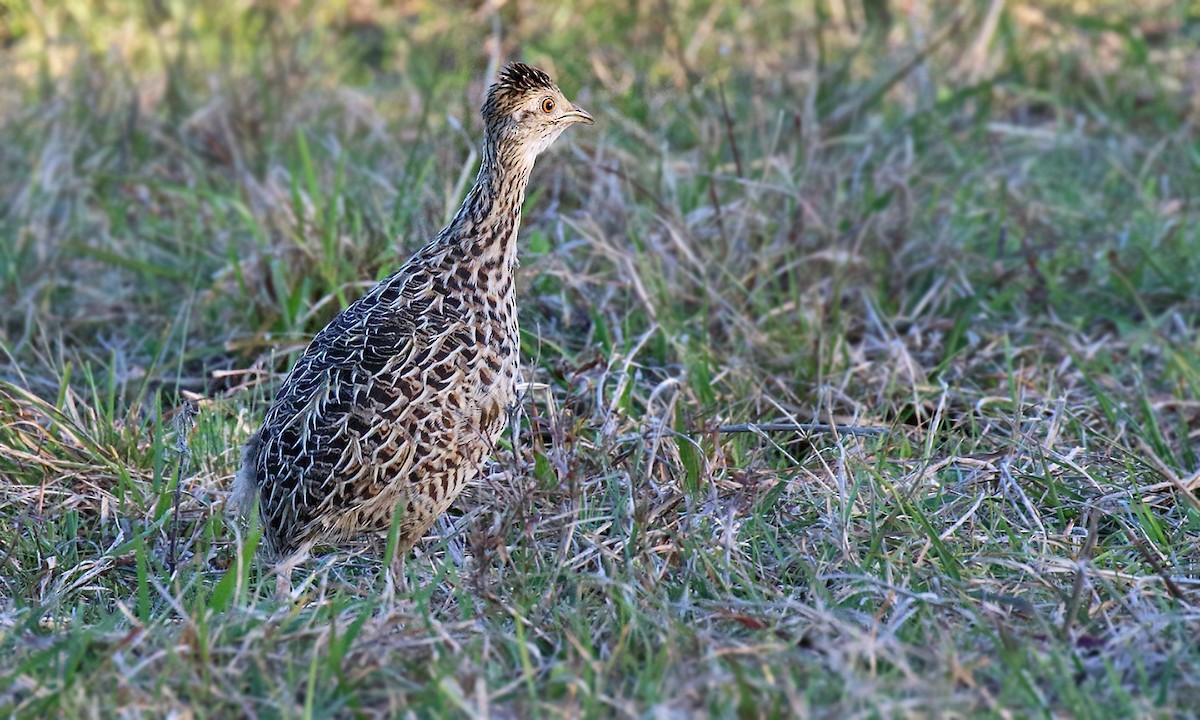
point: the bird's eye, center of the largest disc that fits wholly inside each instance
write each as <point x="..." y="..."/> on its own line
<point x="548" y="105"/>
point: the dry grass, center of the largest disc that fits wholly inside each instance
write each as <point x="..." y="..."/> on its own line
<point x="970" y="228"/>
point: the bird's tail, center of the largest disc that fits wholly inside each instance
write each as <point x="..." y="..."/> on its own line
<point x="245" y="484"/>
<point x="242" y="501"/>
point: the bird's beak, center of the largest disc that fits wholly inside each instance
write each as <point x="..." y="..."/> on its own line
<point x="578" y="114"/>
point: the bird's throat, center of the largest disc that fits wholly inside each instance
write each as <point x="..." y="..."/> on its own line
<point x="490" y="215"/>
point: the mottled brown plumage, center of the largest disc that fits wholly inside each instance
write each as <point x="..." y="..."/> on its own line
<point x="396" y="404"/>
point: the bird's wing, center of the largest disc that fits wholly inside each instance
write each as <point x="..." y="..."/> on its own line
<point x="343" y="404"/>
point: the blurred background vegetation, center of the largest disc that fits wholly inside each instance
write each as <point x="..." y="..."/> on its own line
<point x="969" y="224"/>
<point x="162" y="144"/>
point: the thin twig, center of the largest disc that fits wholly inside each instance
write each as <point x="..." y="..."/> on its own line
<point x="716" y="202"/>
<point x="662" y="207"/>
<point x="1174" y="590"/>
<point x="809" y="428"/>
<point x="1085" y="556"/>
<point x="733" y="147"/>
<point x="977" y="56"/>
<point x="852" y="107"/>
<point x="184" y="422"/>
<point x="1184" y="488"/>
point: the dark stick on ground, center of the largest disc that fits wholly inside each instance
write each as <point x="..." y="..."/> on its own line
<point x="808" y="428"/>
<point x="733" y="148"/>
<point x="1085" y="556"/>
<point x="1149" y="556"/>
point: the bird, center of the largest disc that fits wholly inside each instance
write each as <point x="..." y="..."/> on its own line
<point x="397" y="403"/>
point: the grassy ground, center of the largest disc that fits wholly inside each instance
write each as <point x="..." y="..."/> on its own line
<point x="972" y="225"/>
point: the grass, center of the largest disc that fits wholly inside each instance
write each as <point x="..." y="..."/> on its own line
<point x="972" y="225"/>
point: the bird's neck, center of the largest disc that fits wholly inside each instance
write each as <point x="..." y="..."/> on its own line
<point x="486" y="224"/>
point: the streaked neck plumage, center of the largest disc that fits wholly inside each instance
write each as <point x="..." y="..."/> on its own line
<point x="490" y="215"/>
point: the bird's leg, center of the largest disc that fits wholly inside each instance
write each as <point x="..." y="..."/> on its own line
<point x="513" y="413"/>
<point x="394" y="579"/>
<point x="283" y="584"/>
<point x="398" y="544"/>
<point x="396" y="575"/>
<point x="283" y="573"/>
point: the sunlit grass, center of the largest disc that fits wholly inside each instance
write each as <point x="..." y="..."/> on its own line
<point x="970" y="228"/>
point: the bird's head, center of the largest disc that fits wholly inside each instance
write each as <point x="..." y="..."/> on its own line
<point x="524" y="111"/>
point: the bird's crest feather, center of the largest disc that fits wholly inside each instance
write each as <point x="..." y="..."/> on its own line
<point x="520" y="77"/>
